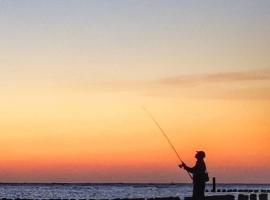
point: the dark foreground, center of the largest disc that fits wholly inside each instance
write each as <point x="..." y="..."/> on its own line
<point x="127" y="191"/>
<point x="252" y="196"/>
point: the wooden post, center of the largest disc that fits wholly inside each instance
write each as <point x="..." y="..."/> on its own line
<point x="214" y="184"/>
<point x="263" y="196"/>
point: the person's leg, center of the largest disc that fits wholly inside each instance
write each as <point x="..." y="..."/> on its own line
<point x="195" y="195"/>
<point x="201" y="188"/>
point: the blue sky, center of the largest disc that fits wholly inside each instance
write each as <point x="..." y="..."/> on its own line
<point x="134" y="39"/>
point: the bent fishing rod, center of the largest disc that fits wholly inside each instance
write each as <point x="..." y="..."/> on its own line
<point x="165" y="135"/>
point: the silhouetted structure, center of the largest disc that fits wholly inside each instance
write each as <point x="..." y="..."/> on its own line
<point x="263" y="196"/>
<point x="253" y="197"/>
<point x="214" y="185"/>
<point x="243" y="197"/>
<point x="200" y="175"/>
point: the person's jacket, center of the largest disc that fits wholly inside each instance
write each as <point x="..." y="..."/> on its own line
<point x="198" y="171"/>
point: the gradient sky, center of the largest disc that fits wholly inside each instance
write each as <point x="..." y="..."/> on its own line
<point x="74" y="75"/>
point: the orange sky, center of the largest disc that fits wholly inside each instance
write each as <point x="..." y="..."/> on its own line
<point x="74" y="75"/>
<point x="105" y="136"/>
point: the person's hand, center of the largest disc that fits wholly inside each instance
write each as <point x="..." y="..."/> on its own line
<point x="183" y="164"/>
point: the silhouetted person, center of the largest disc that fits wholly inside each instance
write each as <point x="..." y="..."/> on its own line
<point x="200" y="175"/>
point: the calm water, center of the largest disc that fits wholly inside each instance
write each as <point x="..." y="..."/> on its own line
<point x="107" y="191"/>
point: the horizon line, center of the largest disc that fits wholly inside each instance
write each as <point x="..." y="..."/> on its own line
<point x="130" y="183"/>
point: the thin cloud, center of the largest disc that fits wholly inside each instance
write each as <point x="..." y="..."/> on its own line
<point x="216" y="77"/>
<point x="235" y="85"/>
<point x="181" y="80"/>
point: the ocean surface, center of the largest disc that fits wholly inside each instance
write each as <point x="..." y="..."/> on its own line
<point x="109" y="191"/>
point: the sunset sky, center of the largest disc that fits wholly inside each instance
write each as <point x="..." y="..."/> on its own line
<point x="75" y="74"/>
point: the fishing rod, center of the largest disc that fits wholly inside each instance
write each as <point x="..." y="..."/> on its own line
<point x="165" y="135"/>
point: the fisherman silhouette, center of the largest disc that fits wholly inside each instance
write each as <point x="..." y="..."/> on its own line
<point x="200" y="175"/>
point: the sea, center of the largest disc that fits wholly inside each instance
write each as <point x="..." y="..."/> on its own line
<point x="110" y="191"/>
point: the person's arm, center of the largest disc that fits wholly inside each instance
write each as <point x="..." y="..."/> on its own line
<point x="189" y="169"/>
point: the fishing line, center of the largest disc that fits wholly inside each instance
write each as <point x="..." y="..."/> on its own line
<point x="165" y="135"/>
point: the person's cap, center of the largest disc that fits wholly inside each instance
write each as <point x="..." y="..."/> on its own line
<point x="201" y="154"/>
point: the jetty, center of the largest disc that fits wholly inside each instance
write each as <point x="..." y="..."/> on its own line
<point x="253" y="196"/>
